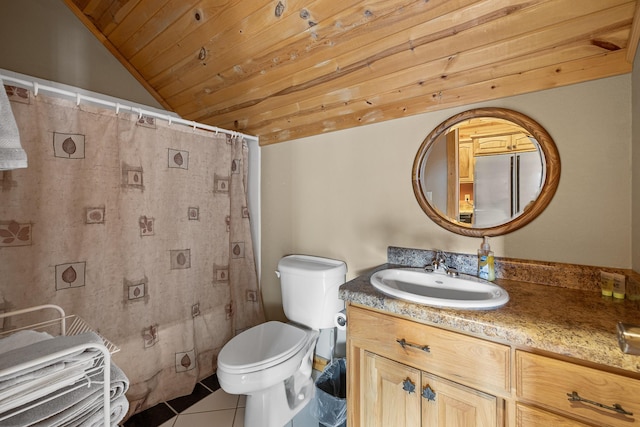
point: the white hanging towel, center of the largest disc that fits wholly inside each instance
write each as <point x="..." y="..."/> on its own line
<point x="12" y="156"/>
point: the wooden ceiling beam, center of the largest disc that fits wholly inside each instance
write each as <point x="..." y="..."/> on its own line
<point x="425" y="79"/>
<point x="266" y="98"/>
<point x="229" y="42"/>
<point x="326" y="58"/>
<point x="115" y="15"/>
<point x="142" y="13"/>
<point x="94" y="8"/>
<point x="357" y="55"/>
<point x="575" y="72"/>
<point x="307" y="48"/>
<point x="160" y="24"/>
<point x="340" y="60"/>
<point x="181" y="43"/>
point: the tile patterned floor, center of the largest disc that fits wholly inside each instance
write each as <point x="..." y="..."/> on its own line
<point x="207" y="406"/>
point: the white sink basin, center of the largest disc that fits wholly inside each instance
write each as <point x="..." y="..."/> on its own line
<point x="438" y="289"/>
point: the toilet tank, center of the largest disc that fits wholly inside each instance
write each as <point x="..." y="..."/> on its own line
<point x="309" y="288"/>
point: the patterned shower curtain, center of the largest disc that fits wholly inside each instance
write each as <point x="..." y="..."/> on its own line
<point x="141" y="227"/>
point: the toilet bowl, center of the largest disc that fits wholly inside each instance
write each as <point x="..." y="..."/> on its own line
<point x="271" y="363"/>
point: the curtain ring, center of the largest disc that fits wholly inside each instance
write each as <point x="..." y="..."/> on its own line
<point x="194" y="125"/>
<point x="169" y="119"/>
<point x="139" y="113"/>
<point x="35" y="88"/>
<point x="77" y="99"/>
<point x="117" y="108"/>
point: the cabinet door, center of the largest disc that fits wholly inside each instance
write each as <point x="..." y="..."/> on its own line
<point x="390" y="393"/>
<point x="501" y="144"/>
<point x="465" y="161"/>
<point x="521" y="142"/>
<point x="446" y="403"/>
<point x="491" y="145"/>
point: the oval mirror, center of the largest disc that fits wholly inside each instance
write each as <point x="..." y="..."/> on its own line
<point x="486" y="172"/>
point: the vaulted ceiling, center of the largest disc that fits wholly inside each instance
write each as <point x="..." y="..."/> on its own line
<point x="286" y="69"/>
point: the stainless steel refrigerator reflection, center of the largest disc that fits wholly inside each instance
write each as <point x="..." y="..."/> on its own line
<point x="503" y="186"/>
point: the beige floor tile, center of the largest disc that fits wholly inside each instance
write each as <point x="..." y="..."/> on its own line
<point x="169" y="423"/>
<point x="223" y="418"/>
<point x="215" y="401"/>
<point x="239" y="421"/>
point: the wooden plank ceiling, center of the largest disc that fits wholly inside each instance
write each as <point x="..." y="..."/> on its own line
<point x="286" y="69"/>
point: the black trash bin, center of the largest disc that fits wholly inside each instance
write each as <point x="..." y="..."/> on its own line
<point x="329" y="406"/>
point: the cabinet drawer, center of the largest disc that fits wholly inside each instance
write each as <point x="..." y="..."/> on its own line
<point x="486" y="364"/>
<point x="549" y="382"/>
<point x="534" y="417"/>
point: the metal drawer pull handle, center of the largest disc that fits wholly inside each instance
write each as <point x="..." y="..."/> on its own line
<point x="403" y="343"/>
<point x="574" y="397"/>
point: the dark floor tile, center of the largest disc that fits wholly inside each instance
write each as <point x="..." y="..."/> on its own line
<point x="151" y="417"/>
<point x="211" y="382"/>
<point x="181" y="403"/>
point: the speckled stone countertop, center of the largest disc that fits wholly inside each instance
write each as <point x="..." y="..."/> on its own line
<point x="578" y="323"/>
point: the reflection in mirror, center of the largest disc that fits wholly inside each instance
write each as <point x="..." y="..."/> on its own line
<point x="497" y="170"/>
<point x="486" y="172"/>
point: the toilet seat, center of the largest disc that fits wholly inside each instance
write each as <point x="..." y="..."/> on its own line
<point x="261" y="347"/>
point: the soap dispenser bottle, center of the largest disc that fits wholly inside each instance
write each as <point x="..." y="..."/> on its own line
<point x="486" y="265"/>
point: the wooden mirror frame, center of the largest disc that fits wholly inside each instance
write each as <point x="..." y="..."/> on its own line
<point x="552" y="172"/>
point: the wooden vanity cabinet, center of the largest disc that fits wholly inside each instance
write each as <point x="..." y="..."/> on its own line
<point x="402" y="373"/>
<point x="395" y="394"/>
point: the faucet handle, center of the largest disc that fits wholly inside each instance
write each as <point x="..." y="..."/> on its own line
<point x="452" y="272"/>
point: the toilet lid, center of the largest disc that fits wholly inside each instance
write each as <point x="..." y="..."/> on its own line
<point x="260" y="347"/>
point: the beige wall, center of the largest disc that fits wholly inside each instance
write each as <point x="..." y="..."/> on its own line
<point x="348" y="194"/>
<point x="44" y="39"/>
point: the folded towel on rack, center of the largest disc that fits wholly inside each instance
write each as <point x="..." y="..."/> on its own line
<point x="77" y="405"/>
<point x="36" y="370"/>
<point x="94" y="415"/>
<point x="22" y="339"/>
<point x="118" y="409"/>
<point x="12" y="156"/>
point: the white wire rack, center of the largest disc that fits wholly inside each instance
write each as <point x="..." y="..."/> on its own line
<point x="60" y="325"/>
<point x="63" y="325"/>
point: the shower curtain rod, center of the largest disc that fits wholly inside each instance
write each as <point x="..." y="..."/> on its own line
<point x="120" y="107"/>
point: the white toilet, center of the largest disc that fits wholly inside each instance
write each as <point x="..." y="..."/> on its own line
<point x="271" y="363"/>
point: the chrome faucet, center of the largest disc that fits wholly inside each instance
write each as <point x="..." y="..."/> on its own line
<point x="440" y="262"/>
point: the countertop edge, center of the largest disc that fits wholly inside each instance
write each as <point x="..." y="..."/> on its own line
<point x="529" y="320"/>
